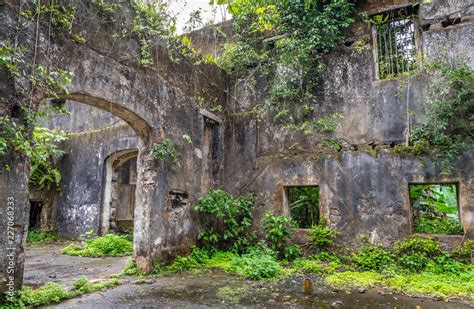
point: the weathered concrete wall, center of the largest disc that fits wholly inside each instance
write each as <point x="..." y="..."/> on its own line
<point x="360" y="192"/>
<point x="78" y="205"/>
<point x="14" y="210"/>
<point x="82" y="118"/>
<point x="157" y="102"/>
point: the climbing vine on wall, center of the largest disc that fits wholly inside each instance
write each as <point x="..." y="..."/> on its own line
<point x="34" y="82"/>
<point x="285" y="40"/>
<point x="448" y="124"/>
<point x="45" y="150"/>
<point x="167" y="150"/>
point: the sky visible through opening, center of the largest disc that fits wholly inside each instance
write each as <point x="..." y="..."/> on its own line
<point x="183" y="8"/>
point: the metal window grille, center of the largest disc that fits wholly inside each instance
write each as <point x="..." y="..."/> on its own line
<point x="396" y="48"/>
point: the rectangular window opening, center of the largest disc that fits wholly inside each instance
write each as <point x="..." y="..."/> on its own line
<point x="303" y="202"/>
<point x="395" y="41"/>
<point x="435" y="209"/>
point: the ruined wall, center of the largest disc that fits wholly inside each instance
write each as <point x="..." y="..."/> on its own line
<point x="360" y="192"/>
<point x="77" y="207"/>
<point x="82" y="118"/>
<point x="157" y="102"/>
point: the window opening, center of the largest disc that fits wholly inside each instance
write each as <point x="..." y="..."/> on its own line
<point x="435" y="209"/>
<point x="304" y="205"/>
<point x="395" y="39"/>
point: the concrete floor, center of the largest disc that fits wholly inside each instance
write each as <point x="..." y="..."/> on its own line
<point x="198" y="288"/>
<point x="45" y="263"/>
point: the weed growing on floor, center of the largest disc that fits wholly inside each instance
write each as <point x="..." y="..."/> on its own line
<point x="108" y="245"/>
<point x="36" y="236"/>
<point x="53" y="292"/>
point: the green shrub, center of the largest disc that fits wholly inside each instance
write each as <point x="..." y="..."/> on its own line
<point x="445" y="264"/>
<point x="197" y="258"/>
<point x="255" y="266"/>
<point x="131" y="269"/>
<point x="238" y="56"/>
<point x="321" y="234"/>
<point x="438" y="285"/>
<point x="429" y="247"/>
<point x="46" y="294"/>
<point x="221" y="260"/>
<point x="108" y="245"/>
<point x="463" y="252"/>
<point x="414" y="262"/>
<point x="414" y="253"/>
<point x="438" y="225"/>
<point x="52" y="292"/>
<point x="447" y="124"/>
<point x="278" y="232"/>
<point x="292" y="252"/>
<point x="325" y="256"/>
<point x="314" y="266"/>
<point x="84" y="286"/>
<point x="43" y="172"/>
<point x="36" y="236"/>
<point x="235" y="213"/>
<point x="371" y="257"/>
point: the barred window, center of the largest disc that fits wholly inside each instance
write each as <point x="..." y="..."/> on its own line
<point x="395" y="40"/>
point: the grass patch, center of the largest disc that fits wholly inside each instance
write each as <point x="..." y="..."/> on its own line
<point x="414" y="266"/>
<point x="253" y="265"/>
<point x="36" y="237"/>
<point x="52" y="292"/>
<point x="443" y="286"/>
<point x="351" y="279"/>
<point x="232" y="294"/>
<point x="108" y="245"/>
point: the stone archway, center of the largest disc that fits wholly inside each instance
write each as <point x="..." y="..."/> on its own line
<point x="147" y="170"/>
<point x="14" y="191"/>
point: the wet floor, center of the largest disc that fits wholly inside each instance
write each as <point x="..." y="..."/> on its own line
<point x="199" y="289"/>
<point x="215" y="289"/>
<point x="45" y="263"/>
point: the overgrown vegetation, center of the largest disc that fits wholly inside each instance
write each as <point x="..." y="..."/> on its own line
<point x="304" y="205"/>
<point x="285" y="41"/>
<point x="278" y="231"/>
<point x="108" y="245"/>
<point x="447" y="126"/>
<point x="52" y="292"/>
<point x="255" y="264"/>
<point x="167" y="150"/>
<point x="226" y="221"/>
<point x="43" y="172"/>
<point x="39" y="145"/>
<point x="322" y="235"/>
<point x="413" y="265"/>
<point x="435" y="209"/>
<point x="38" y="237"/>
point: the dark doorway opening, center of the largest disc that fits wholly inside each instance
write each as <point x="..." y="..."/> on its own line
<point x="36" y="207"/>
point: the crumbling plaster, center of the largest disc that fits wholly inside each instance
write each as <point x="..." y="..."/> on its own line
<point x="361" y="192"/>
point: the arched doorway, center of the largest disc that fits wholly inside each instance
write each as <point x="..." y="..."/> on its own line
<point x="118" y="207"/>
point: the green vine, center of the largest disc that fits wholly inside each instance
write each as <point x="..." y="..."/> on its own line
<point x="35" y="82"/>
<point x="285" y="40"/>
<point x="166" y="150"/>
<point x="448" y="126"/>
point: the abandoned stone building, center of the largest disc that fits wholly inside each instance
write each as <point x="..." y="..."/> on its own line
<point x="111" y="182"/>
